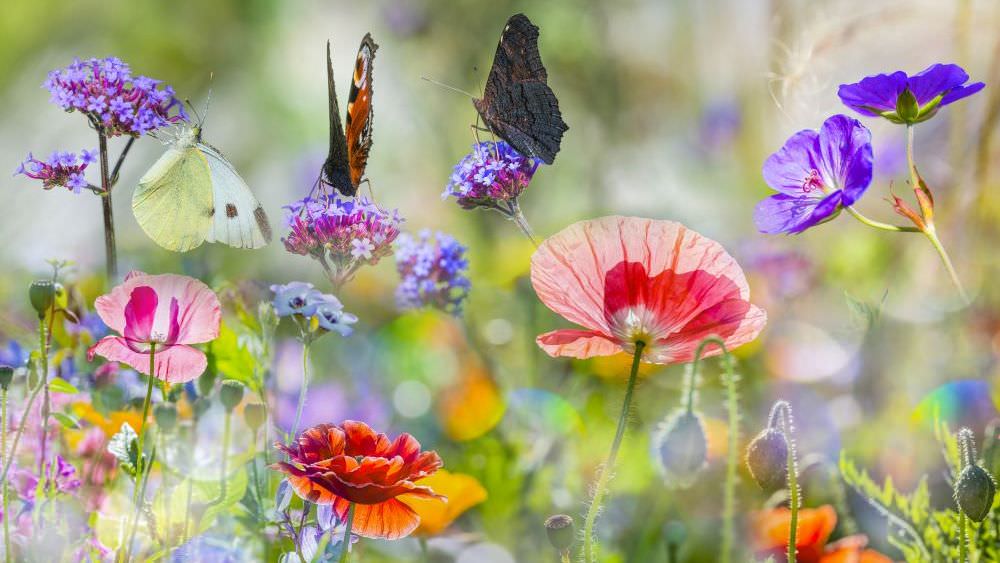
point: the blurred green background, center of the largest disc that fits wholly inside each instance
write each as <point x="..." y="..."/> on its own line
<point x="672" y="108"/>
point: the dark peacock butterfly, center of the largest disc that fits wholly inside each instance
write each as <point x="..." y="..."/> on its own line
<point x="344" y="168"/>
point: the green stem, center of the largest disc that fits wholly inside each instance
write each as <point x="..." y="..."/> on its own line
<point x="226" y="427"/>
<point x="3" y="447"/>
<point x="110" y="251"/>
<point x="963" y="539"/>
<point x="425" y="554"/>
<point x="517" y="216"/>
<point x="345" y="554"/>
<point x="732" y="454"/>
<point x="784" y="409"/>
<point x="303" y="389"/>
<point x="140" y="466"/>
<point x="43" y="345"/>
<point x="602" y="482"/>
<point x="878" y="224"/>
<point x="929" y="230"/>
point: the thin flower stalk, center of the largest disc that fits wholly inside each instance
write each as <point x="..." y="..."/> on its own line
<point x="141" y="470"/>
<point x="781" y="413"/>
<point x="6" y="490"/>
<point x="345" y="554"/>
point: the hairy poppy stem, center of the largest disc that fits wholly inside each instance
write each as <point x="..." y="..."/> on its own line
<point x="782" y="411"/>
<point x="732" y="459"/>
<point x="600" y="488"/>
<point x="137" y="492"/>
<point x="345" y="554"/>
<point x="929" y="230"/>
<point x="3" y="447"/>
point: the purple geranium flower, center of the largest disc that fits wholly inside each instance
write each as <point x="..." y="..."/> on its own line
<point x="909" y="99"/>
<point x="816" y="173"/>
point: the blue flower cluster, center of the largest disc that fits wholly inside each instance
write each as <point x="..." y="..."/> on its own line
<point x="106" y="91"/>
<point x="61" y="169"/>
<point x="432" y="268"/>
<point x="300" y="299"/>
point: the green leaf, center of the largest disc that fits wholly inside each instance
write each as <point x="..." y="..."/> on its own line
<point x="67" y="420"/>
<point x="60" y="385"/>
<point x="232" y="360"/>
<point x="124" y="445"/>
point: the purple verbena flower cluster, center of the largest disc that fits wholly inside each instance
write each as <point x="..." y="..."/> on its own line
<point x="61" y="169"/>
<point x="342" y="233"/>
<point x="302" y="300"/>
<point x="493" y="172"/>
<point x="106" y="91"/>
<point x="432" y="268"/>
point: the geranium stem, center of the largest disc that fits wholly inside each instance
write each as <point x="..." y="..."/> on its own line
<point x="345" y="554"/>
<point x="930" y="231"/>
<point x="303" y="390"/>
<point x="110" y="251"/>
<point x="589" y="555"/>
<point x="878" y="224"/>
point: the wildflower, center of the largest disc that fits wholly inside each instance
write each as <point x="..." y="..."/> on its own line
<point x="682" y="448"/>
<point x="628" y="280"/>
<point x="322" y="311"/>
<point x="169" y="311"/>
<point x="107" y="93"/>
<point x="817" y="174"/>
<point x="770" y="537"/>
<point x="64" y="169"/>
<point x="349" y="463"/>
<point x="341" y="233"/>
<point x="909" y="99"/>
<point x="492" y="175"/>
<point x="432" y="269"/>
<point x="59" y="475"/>
<point x="462" y="491"/>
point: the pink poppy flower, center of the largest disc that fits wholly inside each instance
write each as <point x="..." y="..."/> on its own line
<point x="168" y="310"/>
<point x="628" y="279"/>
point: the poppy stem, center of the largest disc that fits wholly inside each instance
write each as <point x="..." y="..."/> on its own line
<point x="788" y="428"/>
<point x="3" y="447"/>
<point x="303" y="389"/>
<point x="732" y="453"/>
<point x="589" y="555"/>
<point x="345" y="554"/>
<point x="137" y="492"/>
<point x="226" y="430"/>
<point x="929" y="230"/>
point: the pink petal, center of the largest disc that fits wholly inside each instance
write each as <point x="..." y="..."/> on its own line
<point x="140" y="313"/>
<point x="577" y="344"/>
<point x="198" y="311"/>
<point x="736" y="322"/>
<point x="174" y="364"/>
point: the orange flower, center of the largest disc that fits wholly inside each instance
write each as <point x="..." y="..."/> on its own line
<point x="350" y="463"/>
<point x="626" y="279"/>
<point x="770" y="537"/>
<point x="463" y="492"/>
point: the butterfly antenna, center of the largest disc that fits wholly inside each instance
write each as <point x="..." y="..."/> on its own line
<point x="194" y="110"/>
<point x="447" y="87"/>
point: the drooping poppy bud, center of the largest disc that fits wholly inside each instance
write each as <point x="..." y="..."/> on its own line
<point x="767" y="459"/>
<point x="231" y="394"/>
<point x="561" y="531"/>
<point x="682" y="447"/>
<point x="255" y="415"/>
<point x="974" y="488"/>
<point x="165" y="415"/>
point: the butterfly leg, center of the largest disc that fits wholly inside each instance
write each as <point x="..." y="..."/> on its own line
<point x="371" y="191"/>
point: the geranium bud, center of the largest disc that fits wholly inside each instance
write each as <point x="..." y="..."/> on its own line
<point x="42" y="294"/>
<point x="767" y="459"/>
<point x="974" y="491"/>
<point x="561" y="531"/>
<point x="255" y="415"/>
<point x="682" y="447"/>
<point x="165" y="415"/>
<point x="6" y="376"/>
<point x="231" y="394"/>
<point x="907" y="108"/>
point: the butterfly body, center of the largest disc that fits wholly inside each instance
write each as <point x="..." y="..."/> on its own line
<point x="351" y="141"/>
<point x="517" y="103"/>
<point x="192" y="194"/>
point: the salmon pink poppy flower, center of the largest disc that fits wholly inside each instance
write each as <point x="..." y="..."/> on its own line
<point x="350" y="463"/>
<point x="169" y="311"/>
<point x="629" y="279"/>
<point x="770" y="537"/>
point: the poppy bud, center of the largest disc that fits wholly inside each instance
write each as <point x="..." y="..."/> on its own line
<point x="255" y="415"/>
<point x="561" y="531"/>
<point x="682" y="447"/>
<point x="231" y="394"/>
<point x="42" y="294"/>
<point x="165" y="415"/>
<point x="6" y="376"/>
<point x="201" y="406"/>
<point x="974" y="491"/>
<point x="674" y="533"/>
<point x="767" y="459"/>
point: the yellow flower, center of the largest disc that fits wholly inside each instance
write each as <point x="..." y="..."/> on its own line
<point x="463" y="492"/>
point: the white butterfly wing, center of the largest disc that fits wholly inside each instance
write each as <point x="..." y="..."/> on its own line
<point x="239" y="219"/>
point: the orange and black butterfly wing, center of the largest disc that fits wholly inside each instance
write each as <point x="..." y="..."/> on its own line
<point x="336" y="168"/>
<point x="517" y="103"/>
<point x="360" y="111"/>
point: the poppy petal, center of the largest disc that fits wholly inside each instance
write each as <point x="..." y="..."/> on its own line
<point x="577" y="344"/>
<point x="175" y="364"/>
<point x="389" y="520"/>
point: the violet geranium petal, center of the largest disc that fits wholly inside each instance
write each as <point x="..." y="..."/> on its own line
<point x="786" y="170"/>
<point x="846" y="153"/>
<point x="878" y="92"/>
<point x="935" y="80"/>
<point x="782" y="213"/>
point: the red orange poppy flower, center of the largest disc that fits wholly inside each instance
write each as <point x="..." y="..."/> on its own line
<point x="351" y="463"/>
<point x="626" y="279"/>
<point x="770" y="537"/>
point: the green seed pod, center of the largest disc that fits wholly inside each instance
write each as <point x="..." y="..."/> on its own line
<point x="255" y="415"/>
<point x="561" y="531"/>
<point x="231" y="394"/>
<point x="6" y="376"/>
<point x="201" y="406"/>
<point x="42" y="294"/>
<point x="165" y="415"/>
<point x="682" y="447"/>
<point x="767" y="459"/>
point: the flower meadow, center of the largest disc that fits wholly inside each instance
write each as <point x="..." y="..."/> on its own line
<point x="748" y="313"/>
